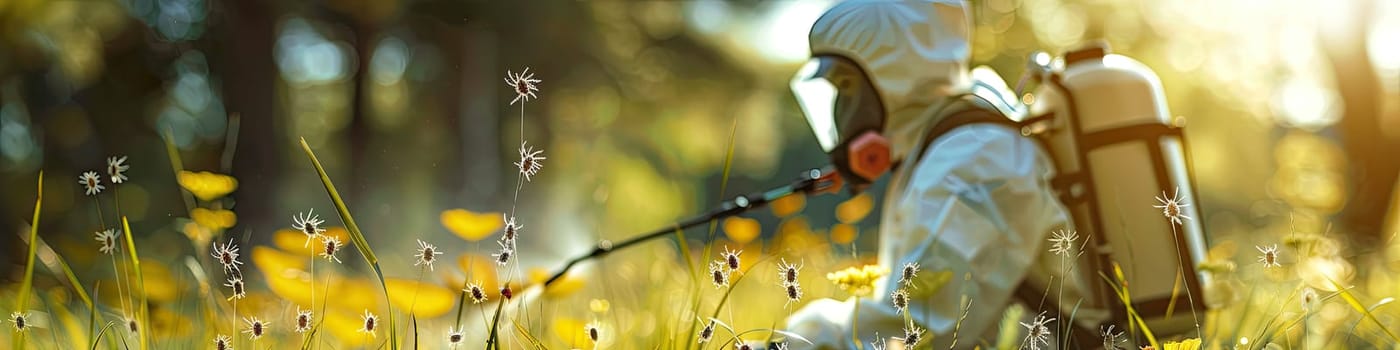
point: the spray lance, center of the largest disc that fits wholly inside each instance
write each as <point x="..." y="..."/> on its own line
<point x="809" y="182"/>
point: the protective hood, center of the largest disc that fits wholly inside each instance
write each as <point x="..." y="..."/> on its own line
<point x="914" y="54"/>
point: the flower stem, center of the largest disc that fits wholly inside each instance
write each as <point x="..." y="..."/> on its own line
<point x="1181" y="262"/>
<point x="855" y="322"/>
<point x="414" y="303"/>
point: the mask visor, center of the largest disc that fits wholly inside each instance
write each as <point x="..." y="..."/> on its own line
<point x="817" y="97"/>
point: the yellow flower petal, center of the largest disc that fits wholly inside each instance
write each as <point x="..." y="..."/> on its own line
<point x="426" y="300"/>
<point x="471" y="226"/>
<point x="563" y="287"/>
<point x="569" y="330"/>
<point x="294" y="242"/>
<point x="741" y="230"/>
<point x="479" y="269"/>
<point x="855" y="209"/>
<point x="345" y="326"/>
<point x="216" y="219"/>
<point x="200" y="235"/>
<point x="160" y="285"/>
<point x="1188" y="344"/>
<point x="273" y="261"/>
<point x="844" y="233"/>
<point x="356" y="294"/>
<point x="206" y="185"/>
<point x="788" y="205"/>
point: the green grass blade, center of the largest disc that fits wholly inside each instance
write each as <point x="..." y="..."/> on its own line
<point x="1356" y="304"/>
<point x="53" y="261"/>
<point x="356" y="237"/>
<point x="714" y="224"/>
<point x="492" y="341"/>
<point x="22" y="302"/>
<point x="24" y="289"/>
<point x="525" y="334"/>
<point x="1123" y="296"/>
<point x="101" y="333"/>
<point x="142" y="312"/>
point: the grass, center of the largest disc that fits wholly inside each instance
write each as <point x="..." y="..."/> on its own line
<point x="357" y="237"/>
<point x="661" y="299"/>
<point x="747" y="293"/>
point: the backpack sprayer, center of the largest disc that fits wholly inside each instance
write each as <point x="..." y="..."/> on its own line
<point x="1103" y="118"/>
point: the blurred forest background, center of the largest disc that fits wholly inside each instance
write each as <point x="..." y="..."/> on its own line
<point x="1293" y="111"/>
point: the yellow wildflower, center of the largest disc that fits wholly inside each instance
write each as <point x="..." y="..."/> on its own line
<point x="206" y="185"/>
<point x="858" y="281"/>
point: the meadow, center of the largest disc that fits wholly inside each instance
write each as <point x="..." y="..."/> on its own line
<point x="319" y="282"/>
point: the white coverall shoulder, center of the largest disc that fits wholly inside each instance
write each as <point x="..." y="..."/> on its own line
<point x="976" y="205"/>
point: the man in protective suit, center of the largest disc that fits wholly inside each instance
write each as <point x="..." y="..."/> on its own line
<point x="966" y="200"/>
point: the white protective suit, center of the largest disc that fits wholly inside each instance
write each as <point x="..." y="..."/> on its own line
<point x="977" y="203"/>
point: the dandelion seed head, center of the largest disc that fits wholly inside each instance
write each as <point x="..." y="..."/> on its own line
<point x="107" y="240"/>
<point x="256" y="327"/>
<point x="116" y="169"/>
<point x="793" y="292"/>
<point x="731" y="258"/>
<point x="329" y="246"/>
<point x="21" y="321"/>
<point x="370" y="322"/>
<point x="1268" y="256"/>
<point x="912" y="336"/>
<point x="504" y="256"/>
<point x="227" y="255"/>
<point x="592" y="331"/>
<point x="477" y="294"/>
<point x="1038" y="333"/>
<point x="92" y="185"/>
<point x="1062" y="242"/>
<point x="788" y="272"/>
<point x="1309" y="298"/>
<point x="427" y="253"/>
<point x="1173" y="207"/>
<point x="900" y="299"/>
<point x="303" y="320"/>
<point x="309" y="224"/>
<point x="707" y="332"/>
<point x="454" y="337"/>
<point x="222" y="342"/>
<point x="512" y="229"/>
<point x="719" y="274"/>
<point x="531" y="161"/>
<point x="523" y="84"/>
<point x="1112" y="340"/>
<point x="907" y="274"/>
<point x="878" y="344"/>
<point x="237" y="286"/>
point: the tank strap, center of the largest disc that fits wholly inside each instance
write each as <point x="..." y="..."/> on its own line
<point x="963" y="109"/>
